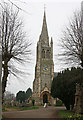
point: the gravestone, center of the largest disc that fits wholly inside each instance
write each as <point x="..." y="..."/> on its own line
<point x="78" y="106"/>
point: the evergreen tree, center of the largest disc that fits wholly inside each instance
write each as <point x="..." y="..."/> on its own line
<point x="64" y="86"/>
<point x="28" y="93"/>
<point x="21" y="96"/>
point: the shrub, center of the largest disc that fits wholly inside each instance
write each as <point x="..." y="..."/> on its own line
<point x="59" y="103"/>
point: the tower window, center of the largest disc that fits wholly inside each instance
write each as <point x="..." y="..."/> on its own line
<point x="48" y="54"/>
<point x="43" y="53"/>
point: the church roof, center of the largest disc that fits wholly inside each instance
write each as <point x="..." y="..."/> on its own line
<point x="45" y="90"/>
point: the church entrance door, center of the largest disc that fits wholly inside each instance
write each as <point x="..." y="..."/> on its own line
<point x="45" y="98"/>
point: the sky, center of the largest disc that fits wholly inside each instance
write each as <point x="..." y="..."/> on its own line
<point x="58" y="14"/>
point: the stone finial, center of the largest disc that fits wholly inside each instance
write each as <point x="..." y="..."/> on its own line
<point x="44" y="7"/>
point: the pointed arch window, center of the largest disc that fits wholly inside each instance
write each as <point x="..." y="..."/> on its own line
<point x="47" y="54"/>
<point x="43" y="53"/>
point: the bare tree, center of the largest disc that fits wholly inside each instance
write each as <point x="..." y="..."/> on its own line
<point x="13" y="3"/>
<point x="72" y="48"/>
<point x="72" y="40"/>
<point x="15" y="48"/>
<point x="0" y="86"/>
<point x="9" y="96"/>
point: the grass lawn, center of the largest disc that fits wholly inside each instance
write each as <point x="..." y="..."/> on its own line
<point x="6" y="109"/>
<point x="29" y="108"/>
<point x="68" y="115"/>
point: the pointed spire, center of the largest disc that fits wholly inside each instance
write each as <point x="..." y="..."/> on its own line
<point x="44" y="32"/>
<point x="51" y="43"/>
<point x="44" y="27"/>
<point x="44" y="18"/>
<point x="51" y="48"/>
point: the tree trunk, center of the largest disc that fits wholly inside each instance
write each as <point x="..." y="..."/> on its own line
<point x="67" y="106"/>
<point x="81" y="97"/>
<point x="0" y="87"/>
<point x="4" y="79"/>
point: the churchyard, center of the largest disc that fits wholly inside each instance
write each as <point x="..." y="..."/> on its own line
<point x="41" y="112"/>
<point x="14" y="109"/>
<point x="54" y="94"/>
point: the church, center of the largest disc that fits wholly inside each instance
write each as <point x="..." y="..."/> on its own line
<point x="44" y="69"/>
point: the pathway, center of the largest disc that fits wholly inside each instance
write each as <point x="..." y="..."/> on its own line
<point x="49" y="112"/>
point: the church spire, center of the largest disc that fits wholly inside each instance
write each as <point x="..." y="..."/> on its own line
<point x="44" y="21"/>
<point x="44" y="26"/>
<point x="44" y="32"/>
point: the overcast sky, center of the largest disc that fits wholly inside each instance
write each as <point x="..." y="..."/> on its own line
<point x="58" y="13"/>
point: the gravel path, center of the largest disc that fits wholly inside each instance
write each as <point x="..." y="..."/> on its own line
<point x="49" y="112"/>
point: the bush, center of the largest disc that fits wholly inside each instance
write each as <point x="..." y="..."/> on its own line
<point x="59" y="103"/>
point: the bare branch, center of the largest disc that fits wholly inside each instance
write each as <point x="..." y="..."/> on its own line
<point x="15" y="46"/>
<point x="72" y="41"/>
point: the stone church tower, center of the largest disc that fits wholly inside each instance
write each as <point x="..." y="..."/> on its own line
<point x="44" y="69"/>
